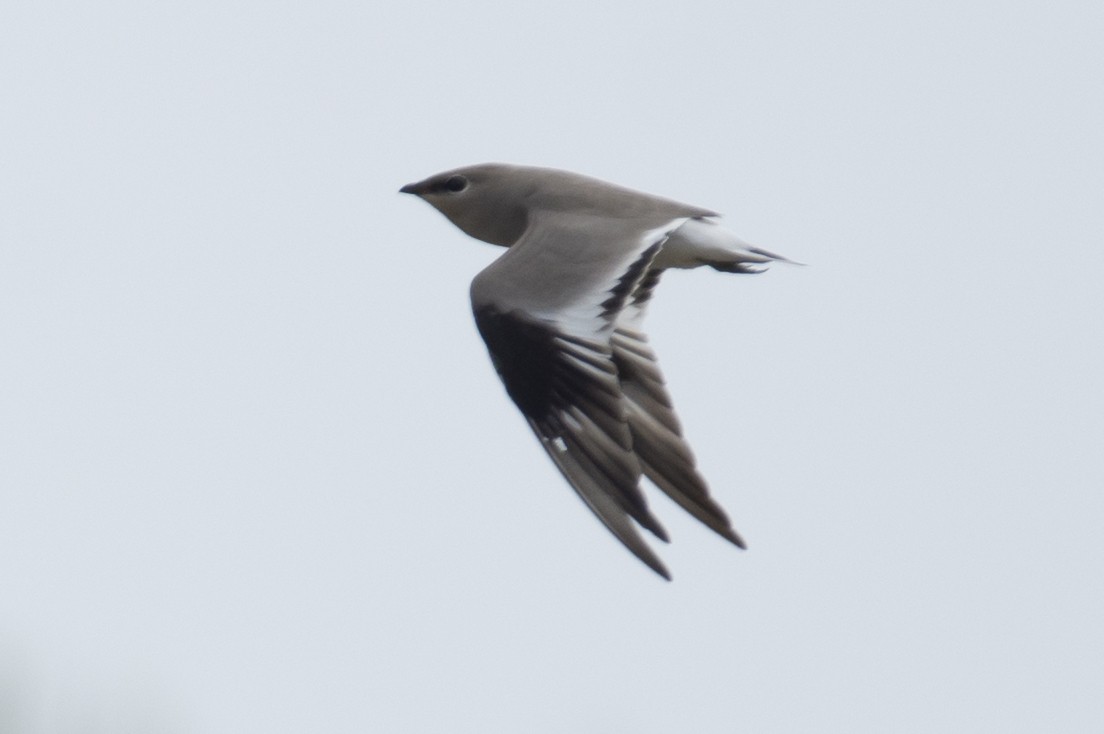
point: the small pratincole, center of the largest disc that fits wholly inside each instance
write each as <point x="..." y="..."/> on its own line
<point x="561" y="311"/>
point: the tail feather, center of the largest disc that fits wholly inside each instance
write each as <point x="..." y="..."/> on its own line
<point x="704" y="242"/>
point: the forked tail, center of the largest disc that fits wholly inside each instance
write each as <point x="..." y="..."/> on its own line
<point x="704" y="242"/>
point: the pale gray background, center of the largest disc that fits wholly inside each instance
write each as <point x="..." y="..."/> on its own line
<point x="257" y="474"/>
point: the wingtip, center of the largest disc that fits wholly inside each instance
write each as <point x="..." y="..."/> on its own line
<point x="656" y="529"/>
<point x="729" y="533"/>
<point x="661" y="570"/>
<point x="640" y="549"/>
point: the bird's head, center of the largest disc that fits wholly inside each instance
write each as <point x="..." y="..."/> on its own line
<point x="488" y="201"/>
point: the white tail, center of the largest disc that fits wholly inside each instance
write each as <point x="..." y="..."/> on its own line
<point x="704" y="242"/>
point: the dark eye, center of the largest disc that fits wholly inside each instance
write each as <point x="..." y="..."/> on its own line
<point x="456" y="183"/>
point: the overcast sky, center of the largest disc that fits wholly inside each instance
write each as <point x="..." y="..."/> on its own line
<point x="257" y="473"/>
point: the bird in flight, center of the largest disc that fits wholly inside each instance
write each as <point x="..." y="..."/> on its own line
<point x="561" y="312"/>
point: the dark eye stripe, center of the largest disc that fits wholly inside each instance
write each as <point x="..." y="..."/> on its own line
<point x="456" y="183"/>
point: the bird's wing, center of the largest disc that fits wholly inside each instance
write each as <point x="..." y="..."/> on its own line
<point x="664" y="455"/>
<point x="547" y="310"/>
